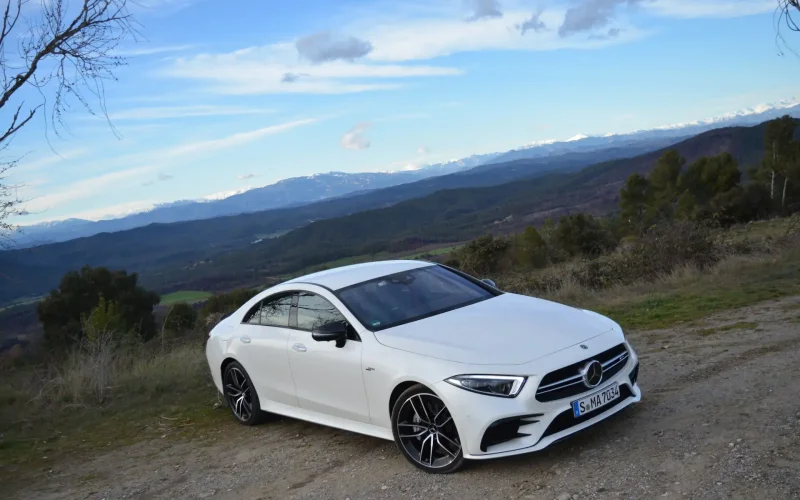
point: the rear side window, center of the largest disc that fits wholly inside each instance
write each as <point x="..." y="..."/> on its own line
<point x="272" y="311"/>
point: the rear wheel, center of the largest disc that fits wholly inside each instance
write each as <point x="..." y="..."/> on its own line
<point x="425" y="431"/>
<point x="241" y="395"/>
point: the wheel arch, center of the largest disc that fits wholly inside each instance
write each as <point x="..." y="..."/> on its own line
<point x="225" y="362"/>
<point x="399" y="389"/>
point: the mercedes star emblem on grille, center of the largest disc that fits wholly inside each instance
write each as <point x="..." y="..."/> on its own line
<point x="592" y="373"/>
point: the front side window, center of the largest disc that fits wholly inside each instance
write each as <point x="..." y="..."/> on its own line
<point x="410" y="296"/>
<point x="314" y="311"/>
<point x="272" y="311"/>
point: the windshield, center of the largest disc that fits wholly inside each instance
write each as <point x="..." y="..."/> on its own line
<point x="410" y="296"/>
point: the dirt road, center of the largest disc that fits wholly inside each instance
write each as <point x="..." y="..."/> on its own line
<point x="720" y="418"/>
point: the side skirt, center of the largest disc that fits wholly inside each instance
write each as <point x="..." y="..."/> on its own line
<point x="328" y="420"/>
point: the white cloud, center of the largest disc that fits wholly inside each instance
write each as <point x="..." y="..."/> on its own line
<point x="423" y="150"/>
<point x="355" y="139"/>
<point x="147" y="51"/>
<point x="149" y="162"/>
<point x="276" y="69"/>
<point x="235" y="139"/>
<point x="421" y="33"/>
<point x="161" y="177"/>
<point x="591" y="14"/>
<point x="427" y="38"/>
<point x="166" y="112"/>
<point x="709" y="8"/>
<point x="483" y="9"/>
<point x="84" y="189"/>
<point x="113" y="211"/>
<point x="29" y="164"/>
<point x="325" y="47"/>
<point x="245" y="177"/>
<point x="534" y="23"/>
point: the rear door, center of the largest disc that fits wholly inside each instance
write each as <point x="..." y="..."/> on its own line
<point x="328" y="379"/>
<point x="261" y="344"/>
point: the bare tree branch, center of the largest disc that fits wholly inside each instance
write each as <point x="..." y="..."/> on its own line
<point x="785" y="18"/>
<point x="65" y="53"/>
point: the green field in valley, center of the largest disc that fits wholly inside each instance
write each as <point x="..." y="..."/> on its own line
<point x="188" y="296"/>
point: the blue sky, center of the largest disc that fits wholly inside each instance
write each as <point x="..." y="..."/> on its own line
<point x="222" y="96"/>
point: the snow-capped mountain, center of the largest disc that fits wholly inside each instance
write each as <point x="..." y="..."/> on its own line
<point x="643" y="140"/>
<point x="285" y="193"/>
<point x="302" y="190"/>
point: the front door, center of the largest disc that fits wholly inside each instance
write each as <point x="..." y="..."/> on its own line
<point x="328" y="379"/>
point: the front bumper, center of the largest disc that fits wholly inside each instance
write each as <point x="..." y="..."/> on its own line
<point x="533" y="425"/>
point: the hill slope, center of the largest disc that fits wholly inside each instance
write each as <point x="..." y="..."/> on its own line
<point x="221" y="252"/>
<point x="456" y="214"/>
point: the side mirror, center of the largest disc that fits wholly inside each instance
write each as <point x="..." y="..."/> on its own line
<point x="490" y="283"/>
<point x="331" y="332"/>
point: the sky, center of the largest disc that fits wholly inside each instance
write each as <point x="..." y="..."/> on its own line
<point x="218" y="97"/>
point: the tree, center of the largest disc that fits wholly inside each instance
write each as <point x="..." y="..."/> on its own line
<point x="80" y="292"/>
<point x="530" y="248"/>
<point x="781" y="156"/>
<point x="663" y="180"/>
<point x="634" y="201"/>
<point x="582" y="234"/>
<point x="709" y="176"/>
<point x="49" y="59"/>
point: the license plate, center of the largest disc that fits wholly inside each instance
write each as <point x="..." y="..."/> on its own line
<point x="594" y="401"/>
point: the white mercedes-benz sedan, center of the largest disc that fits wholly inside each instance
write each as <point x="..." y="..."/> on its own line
<point x="446" y="365"/>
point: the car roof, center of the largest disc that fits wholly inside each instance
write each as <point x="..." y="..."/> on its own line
<point x="342" y="277"/>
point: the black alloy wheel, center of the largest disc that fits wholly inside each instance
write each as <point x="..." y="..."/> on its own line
<point x="425" y="432"/>
<point x="241" y="395"/>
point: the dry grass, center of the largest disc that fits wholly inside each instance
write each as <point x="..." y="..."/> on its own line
<point x="93" y="399"/>
<point x="742" y="274"/>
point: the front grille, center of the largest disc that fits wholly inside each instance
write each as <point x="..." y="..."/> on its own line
<point x="506" y="429"/>
<point x="567" y="382"/>
<point x="567" y="419"/>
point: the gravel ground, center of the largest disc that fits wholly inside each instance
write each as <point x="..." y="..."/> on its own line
<point x="720" y="418"/>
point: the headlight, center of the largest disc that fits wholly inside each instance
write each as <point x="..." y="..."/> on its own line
<point x="493" y="385"/>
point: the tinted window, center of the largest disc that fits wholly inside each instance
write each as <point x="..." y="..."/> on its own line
<point x="273" y="311"/>
<point x="409" y="296"/>
<point x="314" y="311"/>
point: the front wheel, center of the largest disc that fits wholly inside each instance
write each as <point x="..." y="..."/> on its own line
<point x="241" y="395"/>
<point x="425" y="432"/>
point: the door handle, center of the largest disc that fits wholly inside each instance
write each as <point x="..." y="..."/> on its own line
<point x="299" y="348"/>
<point x="245" y="339"/>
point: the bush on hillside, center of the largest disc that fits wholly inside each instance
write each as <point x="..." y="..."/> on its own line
<point x="583" y="235"/>
<point x="79" y="294"/>
<point x="180" y="319"/>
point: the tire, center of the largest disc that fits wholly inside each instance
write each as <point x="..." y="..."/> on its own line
<point x="240" y="395"/>
<point x="430" y="441"/>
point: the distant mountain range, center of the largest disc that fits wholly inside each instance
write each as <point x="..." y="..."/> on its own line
<point x="303" y="190"/>
<point x="247" y="249"/>
<point x="286" y="193"/>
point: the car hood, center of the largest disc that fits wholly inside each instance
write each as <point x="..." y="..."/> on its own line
<point x="507" y="329"/>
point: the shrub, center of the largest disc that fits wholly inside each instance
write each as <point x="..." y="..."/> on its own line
<point x="180" y="319"/>
<point x="483" y="255"/>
